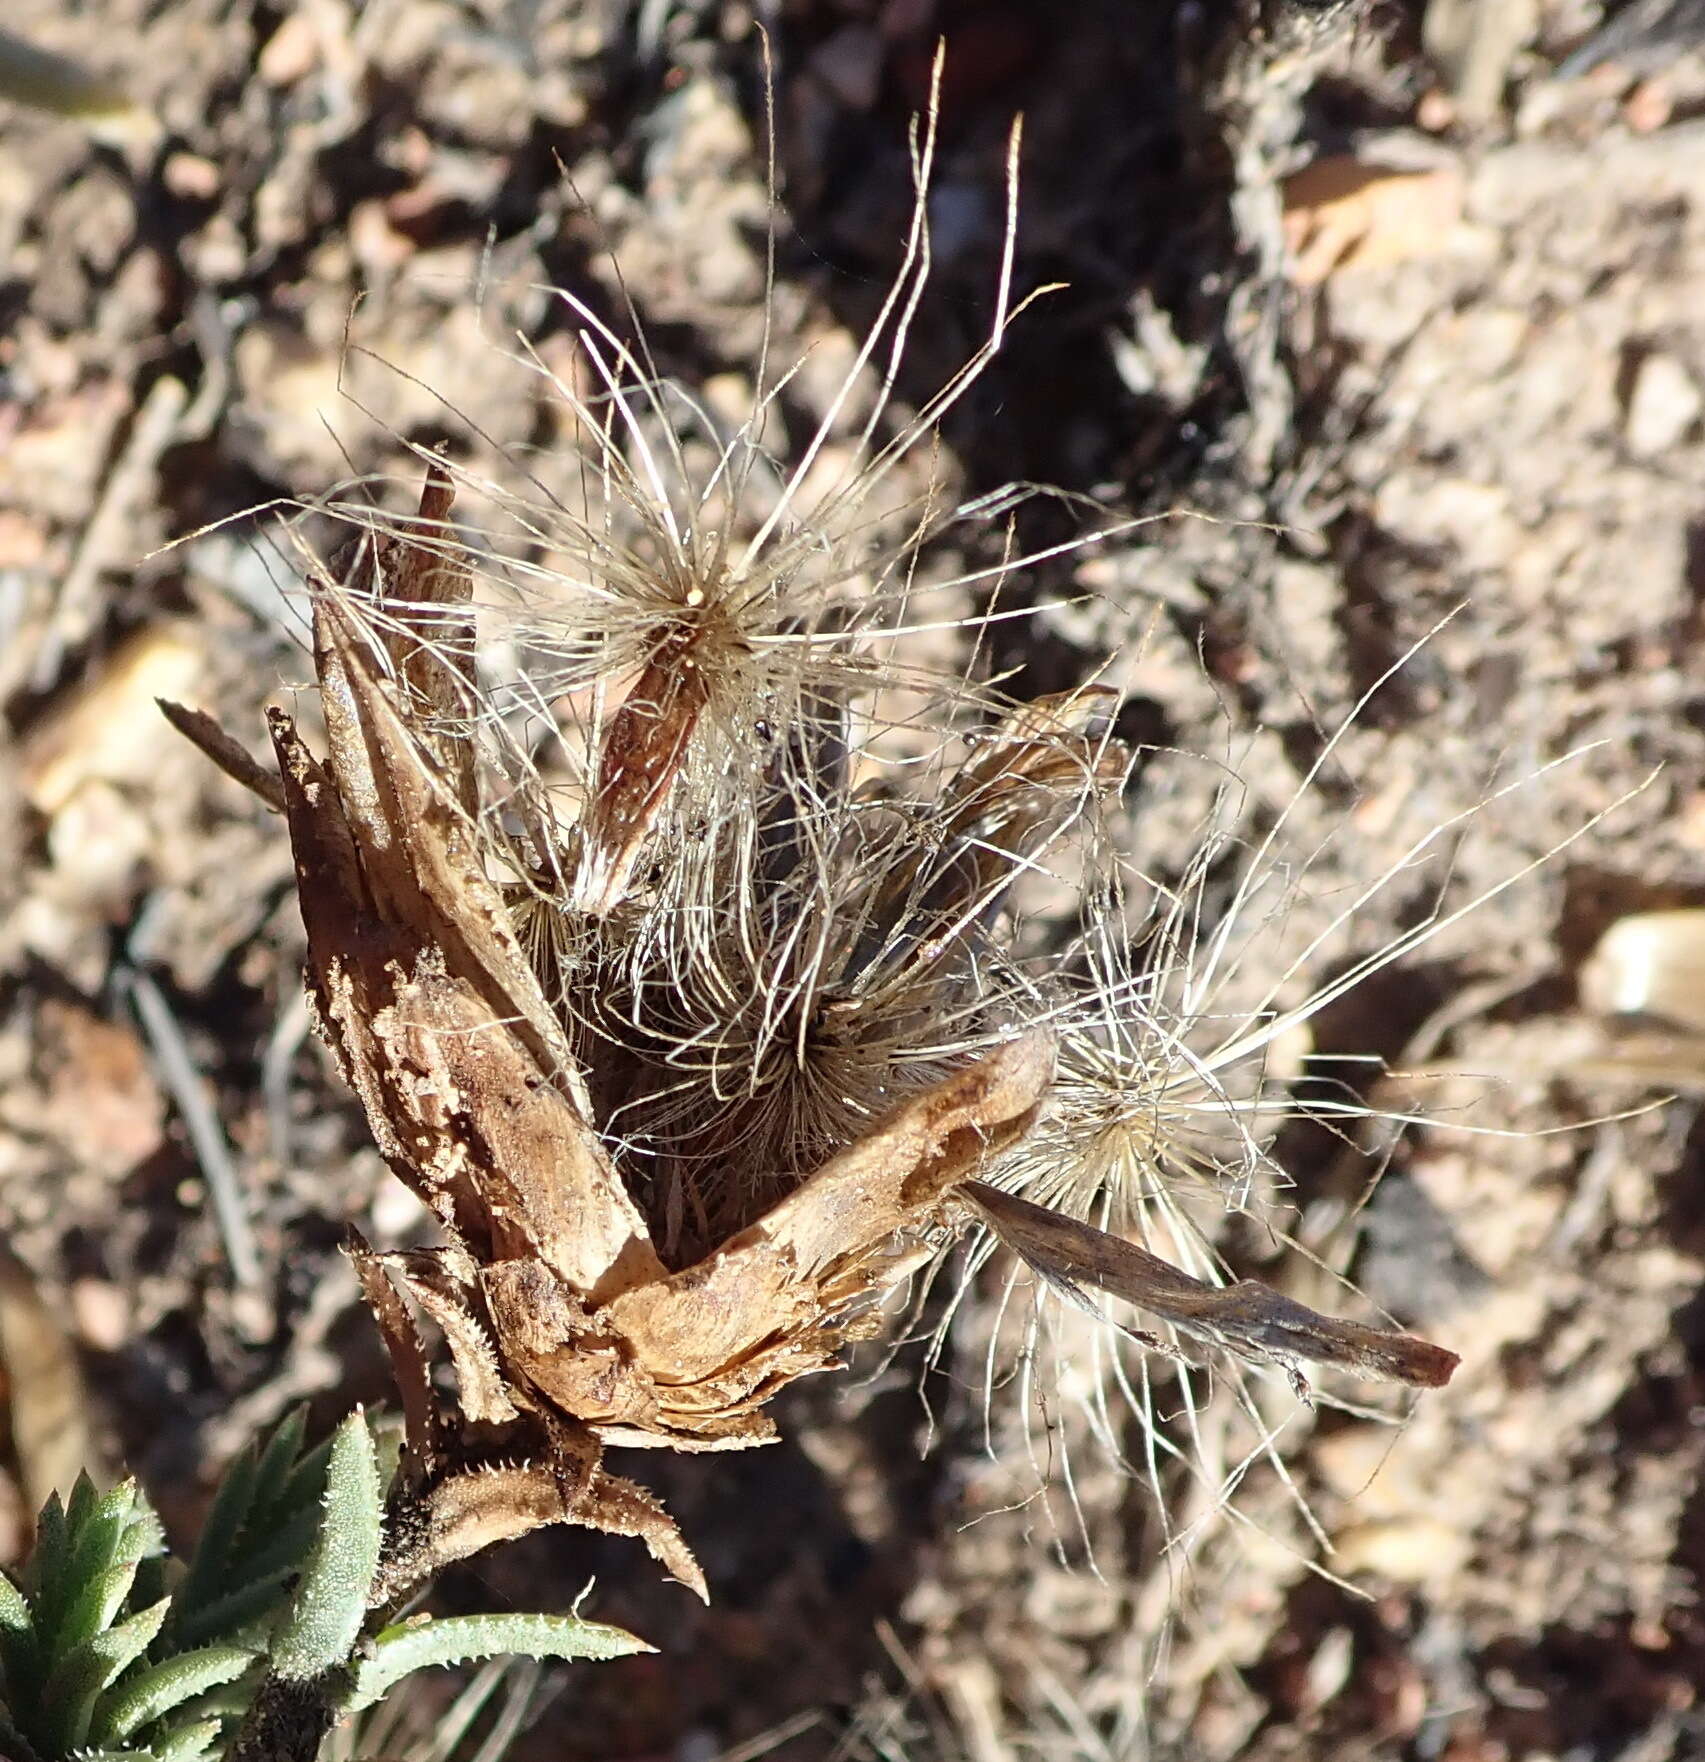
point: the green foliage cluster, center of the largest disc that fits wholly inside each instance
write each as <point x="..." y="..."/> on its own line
<point x="111" y="1651"/>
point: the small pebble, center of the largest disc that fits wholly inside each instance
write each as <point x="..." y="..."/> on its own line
<point x="1663" y="405"/>
<point x="291" y="52"/>
<point x="100" y="1312"/>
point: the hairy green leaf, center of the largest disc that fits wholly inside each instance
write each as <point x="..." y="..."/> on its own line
<point x="165" y="1687"/>
<point x="218" y="1539"/>
<point x="47" y="1563"/>
<point x="95" y="1606"/>
<point x="18" y="1651"/>
<point x="188" y="1745"/>
<point x="258" y="1534"/>
<point x="459" y="1639"/>
<point x="278" y="1461"/>
<point x="96" y="1575"/>
<point x="306" y="1484"/>
<point x="81" y="1676"/>
<point x="330" y="1602"/>
<point x="285" y="1549"/>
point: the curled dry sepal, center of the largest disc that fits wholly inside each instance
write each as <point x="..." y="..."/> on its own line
<point x="689" y="1090"/>
<point x="112" y="1652"/>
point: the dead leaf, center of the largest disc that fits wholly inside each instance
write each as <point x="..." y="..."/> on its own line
<point x="1342" y="213"/>
<point x="108" y="730"/>
<point x="47" y="1404"/>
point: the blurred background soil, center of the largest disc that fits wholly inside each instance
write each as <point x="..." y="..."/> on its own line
<point x="1407" y="299"/>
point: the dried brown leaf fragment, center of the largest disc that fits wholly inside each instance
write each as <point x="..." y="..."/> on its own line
<point x="1248" y="1318"/>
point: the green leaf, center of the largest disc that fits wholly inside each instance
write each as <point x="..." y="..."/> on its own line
<point x="80" y="1677"/>
<point x="47" y="1561"/>
<point x="84" y="1499"/>
<point x="188" y="1745"/>
<point x="124" y="1644"/>
<point x="459" y="1639"/>
<point x="387" y="1433"/>
<point x="330" y="1603"/>
<point x="245" y="1615"/>
<point x="282" y="1521"/>
<point x="155" y="1577"/>
<point x="143" y="1534"/>
<point x="263" y="1577"/>
<point x="97" y="1574"/>
<point x="307" y="1483"/>
<point x="95" y="1606"/>
<point x="224" y="1522"/>
<point x="227" y="1700"/>
<point x="165" y="1687"/>
<point x="94" y="1524"/>
<point x="287" y="1547"/>
<point x="278" y="1460"/>
<point x="18" y="1651"/>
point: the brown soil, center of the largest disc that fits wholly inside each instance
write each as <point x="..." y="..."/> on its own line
<point x="1476" y="412"/>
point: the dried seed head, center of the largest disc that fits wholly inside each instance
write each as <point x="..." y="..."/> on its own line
<point x="832" y="958"/>
<point x="688" y="1007"/>
<point x="681" y="1174"/>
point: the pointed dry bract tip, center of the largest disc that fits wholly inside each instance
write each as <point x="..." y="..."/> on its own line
<point x="1248" y="1319"/>
<point x="200" y="729"/>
